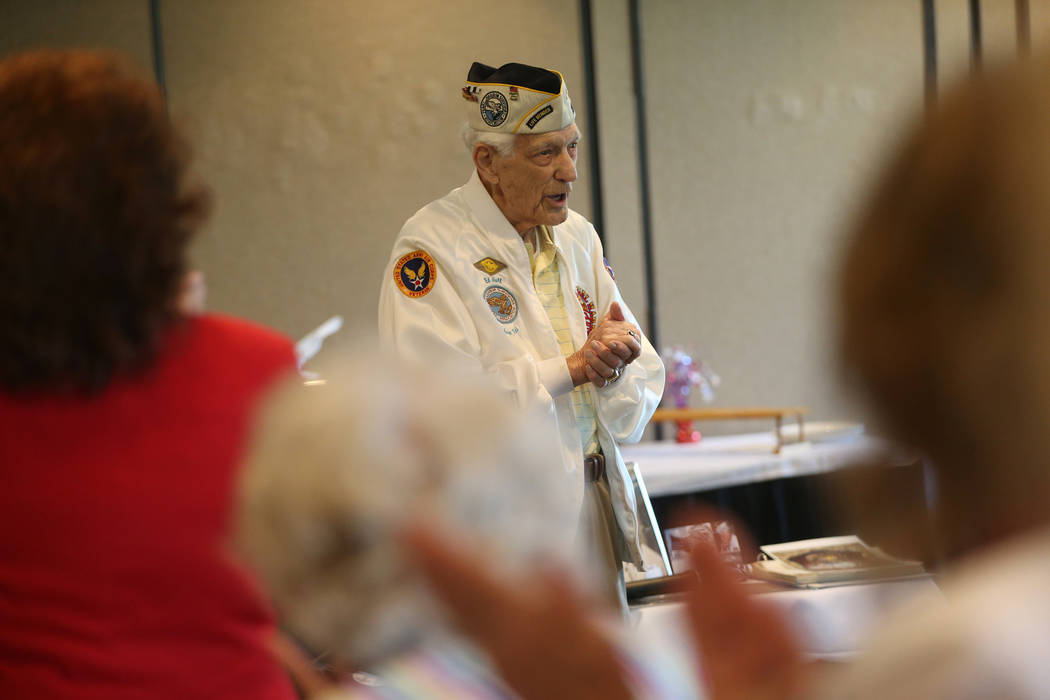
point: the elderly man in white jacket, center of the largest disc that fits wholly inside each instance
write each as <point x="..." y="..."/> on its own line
<point x="501" y="277"/>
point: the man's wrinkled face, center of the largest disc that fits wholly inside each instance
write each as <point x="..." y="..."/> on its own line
<point x="535" y="181"/>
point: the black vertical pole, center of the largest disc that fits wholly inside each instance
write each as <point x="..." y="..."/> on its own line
<point x="591" y="96"/>
<point x="975" y="36"/>
<point x="1024" y="27"/>
<point x="929" y="52"/>
<point x="158" y="47"/>
<point x="638" y="75"/>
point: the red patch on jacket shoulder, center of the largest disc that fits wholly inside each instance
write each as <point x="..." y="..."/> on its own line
<point x="589" y="314"/>
<point x="415" y="274"/>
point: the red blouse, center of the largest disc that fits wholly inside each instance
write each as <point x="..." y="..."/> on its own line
<point x="113" y="514"/>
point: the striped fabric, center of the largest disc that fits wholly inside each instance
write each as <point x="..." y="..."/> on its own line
<point x="547" y="279"/>
<point x="452" y="673"/>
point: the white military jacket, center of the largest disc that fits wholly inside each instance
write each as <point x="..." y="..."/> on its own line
<point x="459" y="290"/>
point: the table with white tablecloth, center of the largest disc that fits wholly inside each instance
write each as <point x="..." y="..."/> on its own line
<point x="671" y="468"/>
<point x="779" y="496"/>
<point x="830" y="623"/>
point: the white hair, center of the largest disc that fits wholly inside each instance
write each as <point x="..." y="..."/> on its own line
<point x="335" y="471"/>
<point x="502" y="143"/>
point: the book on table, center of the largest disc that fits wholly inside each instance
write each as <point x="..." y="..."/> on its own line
<point x="829" y="561"/>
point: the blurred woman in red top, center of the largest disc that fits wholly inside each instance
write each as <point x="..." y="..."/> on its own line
<point x="121" y="419"/>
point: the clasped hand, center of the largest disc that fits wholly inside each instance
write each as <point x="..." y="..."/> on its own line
<point x="613" y="344"/>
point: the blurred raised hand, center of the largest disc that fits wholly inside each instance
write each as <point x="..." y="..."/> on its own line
<point x="747" y="651"/>
<point x="539" y="637"/>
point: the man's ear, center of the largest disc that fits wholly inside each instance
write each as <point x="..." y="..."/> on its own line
<point x="484" y="160"/>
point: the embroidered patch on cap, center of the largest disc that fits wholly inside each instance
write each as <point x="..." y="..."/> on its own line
<point x="494" y="108"/>
<point x="503" y="304"/>
<point x="589" y="314"/>
<point x="516" y="98"/>
<point x="415" y="274"/>
<point x="489" y="265"/>
<point x="608" y="268"/>
<point x="535" y="118"/>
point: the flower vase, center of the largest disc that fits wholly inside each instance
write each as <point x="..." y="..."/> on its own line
<point x="686" y="433"/>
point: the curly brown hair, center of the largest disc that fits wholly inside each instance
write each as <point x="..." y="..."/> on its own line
<point x="95" y="218"/>
<point x="945" y="297"/>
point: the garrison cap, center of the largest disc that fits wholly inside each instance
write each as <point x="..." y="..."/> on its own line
<point x="517" y="99"/>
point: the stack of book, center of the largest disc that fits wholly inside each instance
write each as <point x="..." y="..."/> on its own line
<point x="829" y="561"/>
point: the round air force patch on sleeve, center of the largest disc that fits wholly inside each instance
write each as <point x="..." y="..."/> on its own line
<point x="494" y="108"/>
<point x="503" y="304"/>
<point x="415" y="274"/>
<point x="608" y="268"/>
<point x="589" y="313"/>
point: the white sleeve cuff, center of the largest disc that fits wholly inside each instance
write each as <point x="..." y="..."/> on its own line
<point x="554" y="375"/>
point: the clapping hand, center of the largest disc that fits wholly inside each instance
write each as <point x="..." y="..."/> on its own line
<point x="545" y="645"/>
<point x="613" y="344"/>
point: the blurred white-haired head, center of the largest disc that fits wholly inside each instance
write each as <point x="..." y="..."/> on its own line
<point x="335" y="471"/>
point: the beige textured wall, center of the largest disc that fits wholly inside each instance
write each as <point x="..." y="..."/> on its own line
<point x="121" y="25"/>
<point x="766" y="122"/>
<point x="998" y="34"/>
<point x="1040" y="20"/>
<point x="953" y="40"/>
<point x="620" y="185"/>
<point x="324" y="125"/>
<point x="766" y="118"/>
<point x="999" y="28"/>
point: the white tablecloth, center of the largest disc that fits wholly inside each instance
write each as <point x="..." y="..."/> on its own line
<point x="715" y="462"/>
<point x="831" y="623"/>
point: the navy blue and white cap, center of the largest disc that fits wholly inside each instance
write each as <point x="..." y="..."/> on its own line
<point x="517" y="99"/>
